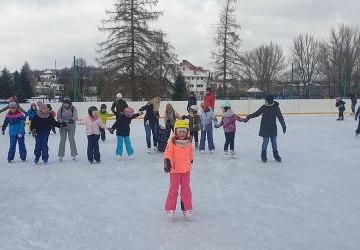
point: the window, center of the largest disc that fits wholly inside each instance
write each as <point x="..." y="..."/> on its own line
<point x="202" y="78"/>
<point x="200" y="85"/>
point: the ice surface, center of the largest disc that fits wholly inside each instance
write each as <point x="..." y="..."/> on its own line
<point x="309" y="201"/>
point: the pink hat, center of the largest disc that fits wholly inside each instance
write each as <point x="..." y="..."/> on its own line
<point x="128" y="112"/>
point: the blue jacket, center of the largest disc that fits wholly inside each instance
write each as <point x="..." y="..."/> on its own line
<point x="17" y="123"/>
<point x="30" y="113"/>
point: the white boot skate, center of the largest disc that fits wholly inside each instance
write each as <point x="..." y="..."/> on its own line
<point x="170" y="215"/>
<point x="232" y="154"/>
<point x="187" y="215"/>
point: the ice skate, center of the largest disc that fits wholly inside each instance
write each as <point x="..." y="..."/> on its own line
<point x="226" y="155"/>
<point x="212" y="151"/>
<point x="277" y="156"/>
<point x="73" y="158"/>
<point x="196" y="145"/>
<point x="187" y="215"/>
<point x="61" y="159"/>
<point x="233" y="154"/>
<point x="119" y="157"/>
<point x="170" y="215"/>
<point x="149" y="150"/>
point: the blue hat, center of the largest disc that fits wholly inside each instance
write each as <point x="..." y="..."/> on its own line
<point x="269" y="99"/>
<point x="226" y="104"/>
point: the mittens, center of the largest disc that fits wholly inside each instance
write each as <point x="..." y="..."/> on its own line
<point x="111" y="131"/>
<point x="284" y="130"/>
<point x="3" y="132"/>
<point x="71" y="121"/>
<point x="64" y="124"/>
<point x="33" y="132"/>
<point x="167" y="166"/>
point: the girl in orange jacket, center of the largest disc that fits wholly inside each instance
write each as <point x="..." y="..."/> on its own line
<point x="178" y="158"/>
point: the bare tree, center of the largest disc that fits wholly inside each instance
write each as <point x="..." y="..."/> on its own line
<point x="340" y="58"/>
<point x="264" y="63"/>
<point x="131" y="44"/>
<point x="227" y="39"/>
<point x="307" y="54"/>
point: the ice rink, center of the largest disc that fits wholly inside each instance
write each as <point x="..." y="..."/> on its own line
<point x="309" y="201"/>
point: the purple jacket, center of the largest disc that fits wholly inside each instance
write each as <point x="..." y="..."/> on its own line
<point x="228" y="121"/>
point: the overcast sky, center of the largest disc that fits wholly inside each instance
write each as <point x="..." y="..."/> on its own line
<point x="42" y="31"/>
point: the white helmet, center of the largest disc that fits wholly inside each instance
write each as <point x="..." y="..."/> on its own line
<point x="194" y="108"/>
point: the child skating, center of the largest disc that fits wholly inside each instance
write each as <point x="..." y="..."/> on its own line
<point x="268" y="128"/>
<point x="31" y="113"/>
<point x="104" y="115"/>
<point x="178" y="158"/>
<point x="93" y="125"/>
<point x="41" y="126"/>
<point x="340" y="104"/>
<point x="206" y="125"/>
<point x="122" y="126"/>
<point x="16" y="121"/>
<point x="194" y="124"/>
<point x="228" y="122"/>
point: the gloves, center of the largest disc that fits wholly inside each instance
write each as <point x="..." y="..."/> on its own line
<point x="147" y="122"/>
<point x="20" y="136"/>
<point x="284" y="130"/>
<point x="3" y="132"/>
<point x="64" y="124"/>
<point x="215" y="119"/>
<point x="183" y="117"/>
<point x="246" y="120"/>
<point x="111" y="131"/>
<point x="141" y="113"/>
<point x="33" y="132"/>
<point x="71" y="121"/>
<point x="216" y="125"/>
<point x="167" y="166"/>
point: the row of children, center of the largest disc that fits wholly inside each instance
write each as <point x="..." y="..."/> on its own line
<point x="178" y="156"/>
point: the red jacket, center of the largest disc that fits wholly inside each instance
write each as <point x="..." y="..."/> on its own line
<point x="210" y="100"/>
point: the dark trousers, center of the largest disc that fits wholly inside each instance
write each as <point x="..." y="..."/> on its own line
<point x="229" y="140"/>
<point x="22" y="149"/>
<point x="102" y="134"/>
<point x="266" y="142"/>
<point x="195" y="135"/>
<point x="93" y="148"/>
<point x="358" y="128"/>
<point x="341" y="113"/>
<point x="41" y="146"/>
<point x="353" y="105"/>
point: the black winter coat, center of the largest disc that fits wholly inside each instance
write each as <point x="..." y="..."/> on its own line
<point x="150" y="115"/>
<point x="191" y="101"/>
<point x="341" y="105"/>
<point x="118" y="106"/>
<point x="268" y="127"/>
<point x="122" y="125"/>
<point x="44" y="124"/>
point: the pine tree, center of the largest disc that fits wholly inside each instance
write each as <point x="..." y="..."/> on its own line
<point x="25" y="84"/>
<point x="16" y="88"/>
<point x="6" y="83"/>
<point x="180" y="90"/>
<point x="130" y="51"/>
<point x="227" y="40"/>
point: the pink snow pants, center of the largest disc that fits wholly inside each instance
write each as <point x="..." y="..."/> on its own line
<point x="177" y="180"/>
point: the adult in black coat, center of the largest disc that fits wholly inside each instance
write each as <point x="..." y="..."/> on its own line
<point x="118" y="105"/>
<point x="191" y="100"/>
<point x="268" y="128"/>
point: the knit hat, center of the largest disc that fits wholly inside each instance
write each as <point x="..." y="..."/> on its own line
<point x="226" y="104"/>
<point x="269" y="99"/>
<point x="119" y="95"/>
<point x="128" y="112"/>
<point x="103" y="106"/>
<point x="13" y="105"/>
<point x="43" y="111"/>
<point x="66" y="99"/>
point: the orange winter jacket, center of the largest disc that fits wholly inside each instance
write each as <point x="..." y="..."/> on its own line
<point x="180" y="156"/>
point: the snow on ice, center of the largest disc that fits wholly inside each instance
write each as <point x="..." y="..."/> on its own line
<point x="309" y="201"/>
